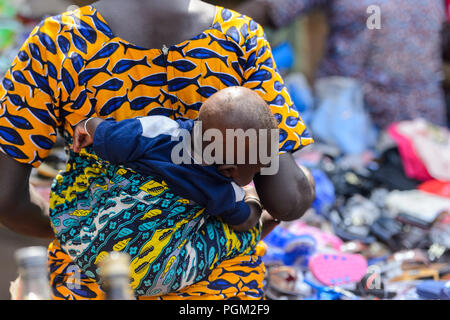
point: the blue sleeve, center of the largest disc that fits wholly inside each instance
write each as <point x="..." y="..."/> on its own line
<point x="119" y="142"/>
<point x="137" y="142"/>
<point x="238" y="216"/>
<point x="224" y="201"/>
<point x="145" y="145"/>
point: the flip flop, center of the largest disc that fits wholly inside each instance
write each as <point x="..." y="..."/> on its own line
<point x="326" y="292"/>
<point x="338" y="269"/>
<point x="324" y="239"/>
<point x="434" y="290"/>
<point x="299" y="251"/>
<point x="289" y="248"/>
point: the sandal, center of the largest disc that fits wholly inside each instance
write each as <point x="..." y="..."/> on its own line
<point x="338" y="269"/>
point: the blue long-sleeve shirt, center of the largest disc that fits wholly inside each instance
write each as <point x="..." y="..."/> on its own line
<point x="145" y="145"/>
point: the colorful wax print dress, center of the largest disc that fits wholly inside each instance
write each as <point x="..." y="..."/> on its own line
<point x="73" y="67"/>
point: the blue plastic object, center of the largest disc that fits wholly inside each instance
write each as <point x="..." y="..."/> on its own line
<point x="300" y="91"/>
<point x="279" y="237"/>
<point x="340" y="118"/>
<point x="434" y="290"/>
<point x="328" y="293"/>
<point x="377" y="260"/>
<point x="288" y="248"/>
<point x="325" y="192"/>
<point x="299" y="251"/>
<point x="273" y="255"/>
<point x="284" y="56"/>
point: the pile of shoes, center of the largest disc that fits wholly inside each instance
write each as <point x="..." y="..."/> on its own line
<point x="379" y="227"/>
<point x="305" y="262"/>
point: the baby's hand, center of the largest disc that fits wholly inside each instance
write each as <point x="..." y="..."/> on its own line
<point x="251" y="222"/>
<point x="81" y="138"/>
<point x="268" y="223"/>
<point x="255" y="211"/>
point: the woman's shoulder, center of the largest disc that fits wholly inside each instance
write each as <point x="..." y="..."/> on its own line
<point x="238" y="27"/>
<point x="82" y="28"/>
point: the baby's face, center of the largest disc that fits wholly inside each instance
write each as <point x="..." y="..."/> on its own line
<point x="245" y="174"/>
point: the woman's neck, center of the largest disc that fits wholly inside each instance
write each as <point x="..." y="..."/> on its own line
<point x="154" y="8"/>
<point x="156" y="22"/>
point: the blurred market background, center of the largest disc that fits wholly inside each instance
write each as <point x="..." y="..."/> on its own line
<point x="377" y="204"/>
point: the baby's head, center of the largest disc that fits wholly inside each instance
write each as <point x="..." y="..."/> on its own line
<point x="240" y="108"/>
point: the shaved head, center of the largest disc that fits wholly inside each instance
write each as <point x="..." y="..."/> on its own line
<point x="236" y="108"/>
<point x="248" y="133"/>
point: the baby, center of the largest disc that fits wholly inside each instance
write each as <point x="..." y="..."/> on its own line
<point x="147" y="145"/>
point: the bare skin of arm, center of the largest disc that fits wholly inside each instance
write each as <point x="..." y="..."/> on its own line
<point x="288" y="194"/>
<point x="22" y="209"/>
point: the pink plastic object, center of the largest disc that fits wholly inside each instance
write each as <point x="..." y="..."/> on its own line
<point x="412" y="164"/>
<point x="447" y="9"/>
<point x="338" y="269"/>
<point x="323" y="239"/>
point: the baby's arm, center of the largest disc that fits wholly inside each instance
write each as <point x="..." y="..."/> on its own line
<point x="258" y="214"/>
<point x="252" y="220"/>
<point x="241" y="211"/>
<point x="122" y="142"/>
<point x="116" y="142"/>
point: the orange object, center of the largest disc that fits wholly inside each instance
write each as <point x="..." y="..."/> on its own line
<point x="440" y="188"/>
<point x="417" y="274"/>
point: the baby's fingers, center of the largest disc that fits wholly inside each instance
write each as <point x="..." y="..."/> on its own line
<point x="76" y="140"/>
<point x="86" y="141"/>
<point x="79" y="138"/>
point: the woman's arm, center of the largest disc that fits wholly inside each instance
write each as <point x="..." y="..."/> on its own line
<point x="288" y="194"/>
<point x="29" y="117"/>
<point x="22" y="210"/>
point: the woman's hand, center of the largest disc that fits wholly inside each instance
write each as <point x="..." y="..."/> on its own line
<point x="268" y="222"/>
<point x="81" y="138"/>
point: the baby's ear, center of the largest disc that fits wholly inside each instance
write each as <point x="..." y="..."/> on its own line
<point x="228" y="170"/>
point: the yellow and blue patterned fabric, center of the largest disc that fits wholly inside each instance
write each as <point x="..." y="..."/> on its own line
<point x="73" y="67"/>
<point x="241" y="278"/>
